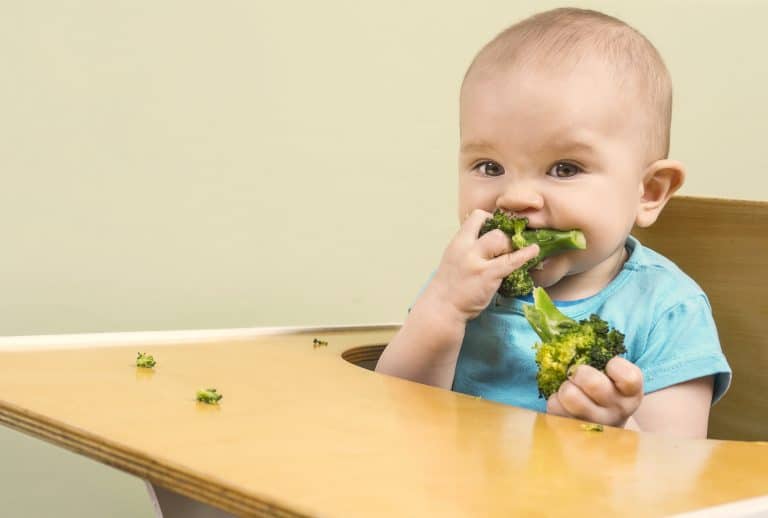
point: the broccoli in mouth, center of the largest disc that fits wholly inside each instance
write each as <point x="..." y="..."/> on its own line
<point x="566" y="343"/>
<point x="550" y="242"/>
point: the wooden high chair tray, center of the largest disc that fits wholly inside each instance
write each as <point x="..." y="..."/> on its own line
<point x="302" y="431"/>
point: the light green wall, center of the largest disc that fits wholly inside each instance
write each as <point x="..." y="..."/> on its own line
<point x="188" y="164"/>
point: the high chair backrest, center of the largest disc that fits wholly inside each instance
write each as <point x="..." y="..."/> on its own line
<point x="723" y="245"/>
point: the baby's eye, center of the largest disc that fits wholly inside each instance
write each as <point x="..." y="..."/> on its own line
<point x="564" y="170"/>
<point x="490" y="168"/>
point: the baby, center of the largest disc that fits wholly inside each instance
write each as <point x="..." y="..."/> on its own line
<point x="565" y="119"/>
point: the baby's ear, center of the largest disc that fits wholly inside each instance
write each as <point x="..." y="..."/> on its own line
<point x="660" y="181"/>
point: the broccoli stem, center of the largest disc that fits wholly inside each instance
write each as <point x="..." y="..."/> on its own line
<point x="552" y="241"/>
<point x="545" y="318"/>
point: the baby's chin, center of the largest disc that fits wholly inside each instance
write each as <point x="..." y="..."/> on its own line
<point x="564" y="280"/>
<point x="550" y="271"/>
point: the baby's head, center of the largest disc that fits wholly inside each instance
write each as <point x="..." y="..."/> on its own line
<point x="555" y="42"/>
<point x="565" y="119"/>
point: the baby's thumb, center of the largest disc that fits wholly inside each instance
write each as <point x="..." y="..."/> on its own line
<point x="627" y="376"/>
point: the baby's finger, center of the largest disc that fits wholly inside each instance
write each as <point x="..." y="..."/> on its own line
<point x="626" y="376"/>
<point x="470" y="227"/>
<point x="554" y="406"/>
<point x="493" y="244"/>
<point x="578" y="404"/>
<point x="596" y="385"/>
<point x="505" y="264"/>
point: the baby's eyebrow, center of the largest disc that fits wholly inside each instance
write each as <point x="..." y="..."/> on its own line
<point x="571" y="144"/>
<point x="476" y="147"/>
<point x="559" y="145"/>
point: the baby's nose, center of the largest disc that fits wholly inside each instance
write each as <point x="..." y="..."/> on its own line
<point x="520" y="197"/>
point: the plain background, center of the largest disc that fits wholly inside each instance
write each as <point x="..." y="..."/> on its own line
<point x="188" y="164"/>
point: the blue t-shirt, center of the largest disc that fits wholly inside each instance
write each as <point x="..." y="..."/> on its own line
<point x="665" y="317"/>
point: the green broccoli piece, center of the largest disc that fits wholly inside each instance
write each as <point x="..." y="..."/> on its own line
<point x="209" y="396"/>
<point x="145" y="361"/>
<point x="518" y="282"/>
<point x="550" y="242"/>
<point x="592" y="427"/>
<point x="566" y="343"/>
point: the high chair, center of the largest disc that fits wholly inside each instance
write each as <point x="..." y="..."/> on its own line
<point x="723" y="246"/>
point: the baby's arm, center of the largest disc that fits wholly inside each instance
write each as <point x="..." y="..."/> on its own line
<point x="681" y="410"/>
<point x="616" y="398"/>
<point x="427" y="346"/>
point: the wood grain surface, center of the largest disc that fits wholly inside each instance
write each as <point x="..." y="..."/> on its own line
<point x="301" y="431"/>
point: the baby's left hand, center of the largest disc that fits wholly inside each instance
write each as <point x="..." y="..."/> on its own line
<point x="608" y="398"/>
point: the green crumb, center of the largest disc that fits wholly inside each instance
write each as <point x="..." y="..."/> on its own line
<point x="209" y="396"/>
<point x="592" y="427"/>
<point x="319" y="343"/>
<point x="145" y="361"/>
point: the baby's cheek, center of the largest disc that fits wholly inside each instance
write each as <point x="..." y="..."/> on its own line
<point x="610" y="232"/>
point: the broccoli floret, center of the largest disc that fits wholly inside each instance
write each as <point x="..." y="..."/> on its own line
<point x="145" y="360"/>
<point x="566" y="343"/>
<point x="592" y="427"/>
<point x="518" y="282"/>
<point x="209" y="395"/>
<point x="550" y="242"/>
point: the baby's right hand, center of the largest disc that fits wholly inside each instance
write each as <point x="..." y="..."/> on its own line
<point x="472" y="268"/>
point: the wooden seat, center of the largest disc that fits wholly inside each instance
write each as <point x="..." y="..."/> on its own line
<point x="723" y="245"/>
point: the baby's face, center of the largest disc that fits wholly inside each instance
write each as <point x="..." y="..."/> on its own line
<point x="567" y="149"/>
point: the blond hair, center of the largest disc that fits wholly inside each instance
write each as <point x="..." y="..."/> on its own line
<point x="570" y="33"/>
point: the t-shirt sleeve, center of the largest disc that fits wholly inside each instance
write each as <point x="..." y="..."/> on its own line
<point x="684" y="345"/>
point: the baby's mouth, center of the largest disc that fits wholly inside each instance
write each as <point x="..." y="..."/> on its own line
<point x="514" y="214"/>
